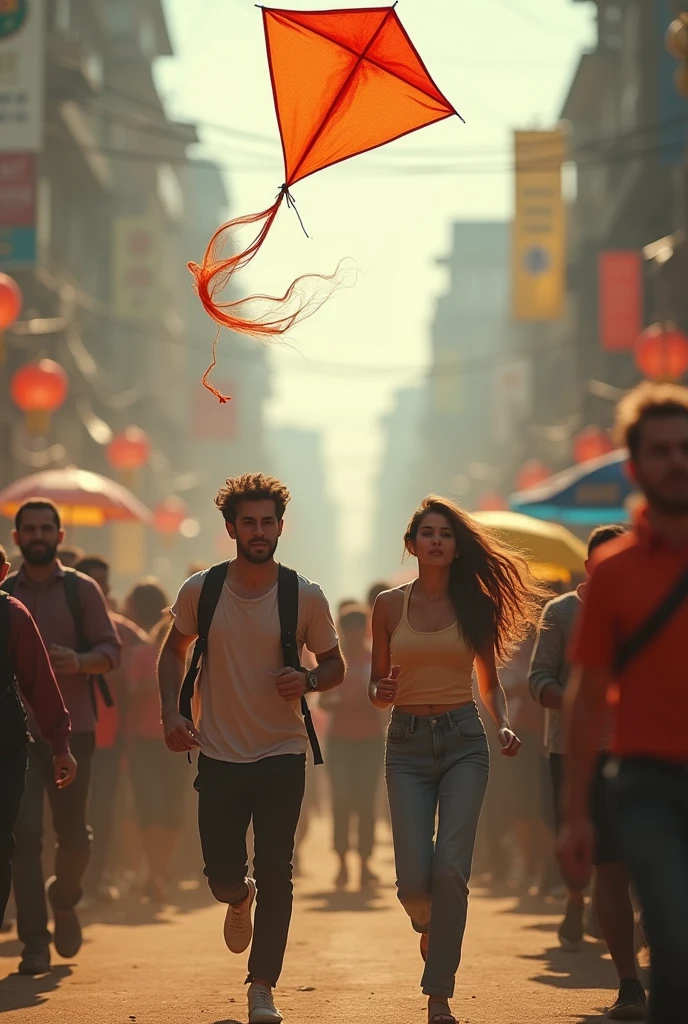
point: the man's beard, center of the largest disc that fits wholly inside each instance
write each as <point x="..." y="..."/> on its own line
<point x="667" y="504"/>
<point x="257" y="556"/>
<point x="38" y="553"/>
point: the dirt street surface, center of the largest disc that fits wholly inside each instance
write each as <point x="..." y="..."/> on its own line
<point x="352" y="957"/>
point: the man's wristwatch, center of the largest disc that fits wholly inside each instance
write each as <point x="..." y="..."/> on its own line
<point x="311" y="680"/>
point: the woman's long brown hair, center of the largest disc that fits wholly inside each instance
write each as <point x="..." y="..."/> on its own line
<point x="495" y="595"/>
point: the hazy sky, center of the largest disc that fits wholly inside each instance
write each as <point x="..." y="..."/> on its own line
<point x="504" y="64"/>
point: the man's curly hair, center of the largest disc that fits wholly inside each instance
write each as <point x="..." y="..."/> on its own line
<point x="649" y="400"/>
<point x="251" y="487"/>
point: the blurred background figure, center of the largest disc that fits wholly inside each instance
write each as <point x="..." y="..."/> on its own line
<point x="70" y="554"/>
<point x="158" y="777"/>
<point x="526" y="796"/>
<point x="374" y="592"/>
<point x="354" y="749"/>
<point x="109" y="753"/>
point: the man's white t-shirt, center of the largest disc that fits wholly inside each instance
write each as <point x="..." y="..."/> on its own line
<point x="236" y="708"/>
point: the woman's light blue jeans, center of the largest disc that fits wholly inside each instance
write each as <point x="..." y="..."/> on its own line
<point x="436" y="770"/>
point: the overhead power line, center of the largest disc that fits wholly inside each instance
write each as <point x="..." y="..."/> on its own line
<point x="398" y="170"/>
<point x="169" y="131"/>
<point x="254" y="352"/>
<point x="534" y="19"/>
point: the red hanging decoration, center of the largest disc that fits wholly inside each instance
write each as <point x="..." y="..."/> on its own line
<point x="129" y="450"/>
<point x="591" y="443"/>
<point x="169" y="514"/>
<point x="39" y="387"/>
<point x="532" y="473"/>
<point x="10" y="301"/>
<point x="492" y="501"/>
<point x="661" y="352"/>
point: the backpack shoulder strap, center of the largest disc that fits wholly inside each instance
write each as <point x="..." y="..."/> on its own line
<point x="660" y="617"/>
<point x="210" y="595"/>
<point x="71" y="587"/>
<point x="207" y="603"/>
<point x="6" y="670"/>
<point x="288" y="605"/>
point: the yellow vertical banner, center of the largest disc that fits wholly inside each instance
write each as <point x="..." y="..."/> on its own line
<point x="539" y="227"/>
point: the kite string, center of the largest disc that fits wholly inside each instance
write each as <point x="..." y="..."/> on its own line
<point x="207" y="383"/>
<point x="291" y="205"/>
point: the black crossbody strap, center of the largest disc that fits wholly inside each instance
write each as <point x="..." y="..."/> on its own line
<point x="660" y="617"/>
<point x="288" y="605"/>
<point x="71" y="585"/>
<point x="207" y="603"/>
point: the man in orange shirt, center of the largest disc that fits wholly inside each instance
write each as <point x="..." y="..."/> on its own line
<point x="621" y="653"/>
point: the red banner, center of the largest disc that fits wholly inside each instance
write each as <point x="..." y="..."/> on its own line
<point x="620" y="299"/>
<point x="17" y="189"/>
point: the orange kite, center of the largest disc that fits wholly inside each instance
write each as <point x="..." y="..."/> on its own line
<point x="344" y="82"/>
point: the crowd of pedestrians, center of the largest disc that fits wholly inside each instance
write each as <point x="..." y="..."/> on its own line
<point x="103" y="704"/>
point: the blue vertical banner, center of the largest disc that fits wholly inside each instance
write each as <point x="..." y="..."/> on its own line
<point x="673" y="131"/>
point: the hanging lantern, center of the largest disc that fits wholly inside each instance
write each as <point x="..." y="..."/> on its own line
<point x="661" y="352"/>
<point x="39" y="389"/>
<point x="10" y="306"/>
<point x="591" y="443"/>
<point x="169" y="514"/>
<point x="532" y="473"/>
<point x="129" y="450"/>
<point x="492" y="501"/>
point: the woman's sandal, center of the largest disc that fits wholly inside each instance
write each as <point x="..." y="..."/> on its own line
<point x="439" y="1012"/>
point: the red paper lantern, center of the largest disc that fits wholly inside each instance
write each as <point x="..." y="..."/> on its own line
<point x="591" y="443"/>
<point x="10" y="301"/>
<point x="39" y="387"/>
<point x="169" y="514"/>
<point x="532" y="473"/>
<point x="129" y="450"/>
<point x="492" y="501"/>
<point x="661" y="352"/>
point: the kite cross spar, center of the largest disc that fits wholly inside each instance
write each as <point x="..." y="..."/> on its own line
<point x="344" y="82"/>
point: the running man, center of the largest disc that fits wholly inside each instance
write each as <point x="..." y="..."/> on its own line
<point x="82" y="642"/>
<point x="248" y="726"/>
<point x="631" y="645"/>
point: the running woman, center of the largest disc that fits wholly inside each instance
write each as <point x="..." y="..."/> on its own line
<point x="472" y="603"/>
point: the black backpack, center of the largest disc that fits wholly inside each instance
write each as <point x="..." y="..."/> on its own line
<point x="288" y="605"/>
<point x="71" y="586"/>
<point x="14" y="731"/>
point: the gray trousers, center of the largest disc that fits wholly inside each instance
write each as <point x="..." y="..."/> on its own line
<point x="436" y="771"/>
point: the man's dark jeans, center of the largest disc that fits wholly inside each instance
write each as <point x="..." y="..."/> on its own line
<point x="651" y="800"/>
<point x="230" y="795"/>
<point x="73" y="837"/>
<point x="12" y="779"/>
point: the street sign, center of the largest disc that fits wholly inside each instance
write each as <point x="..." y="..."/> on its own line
<point x="22" y="65"/>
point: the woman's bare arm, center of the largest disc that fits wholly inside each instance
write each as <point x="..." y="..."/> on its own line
<point x="494" y="698"/>
<point x="381" y="659"/>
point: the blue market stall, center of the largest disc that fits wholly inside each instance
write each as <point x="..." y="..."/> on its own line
<point x="595" y="492"/>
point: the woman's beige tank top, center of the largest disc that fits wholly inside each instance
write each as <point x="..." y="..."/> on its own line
<point x="436" y="668"/>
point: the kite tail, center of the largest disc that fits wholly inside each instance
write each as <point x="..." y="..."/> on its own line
<point x="260" y="316"/>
